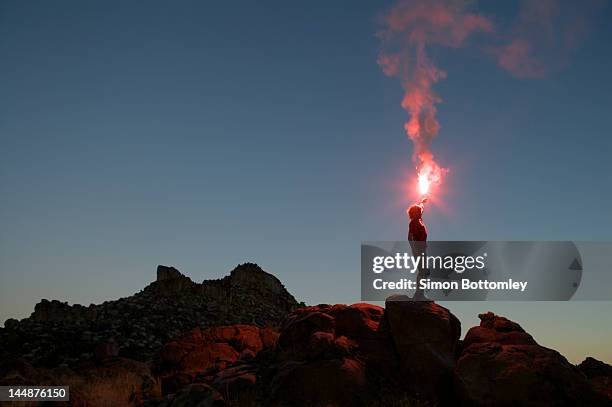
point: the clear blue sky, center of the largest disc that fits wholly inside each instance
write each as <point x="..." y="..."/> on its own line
<point x="203" y="135"/>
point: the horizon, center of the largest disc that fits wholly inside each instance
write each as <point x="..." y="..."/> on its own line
<point x="202" y="137"/>
<point x="466" y="311"/>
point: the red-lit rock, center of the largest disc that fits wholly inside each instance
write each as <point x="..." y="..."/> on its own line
<point x="502" y="365"/>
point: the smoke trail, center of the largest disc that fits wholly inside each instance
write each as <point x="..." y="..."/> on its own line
<point x="545" y="34"/>
<point x="408" y="28"/>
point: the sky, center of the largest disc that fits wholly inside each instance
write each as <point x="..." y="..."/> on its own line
<point x="206" y="134"/>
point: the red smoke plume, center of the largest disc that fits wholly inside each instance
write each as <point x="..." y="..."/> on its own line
<point x="539" y="40"/>
<point x="544" y="35"/>
<point x="408" y="28"/>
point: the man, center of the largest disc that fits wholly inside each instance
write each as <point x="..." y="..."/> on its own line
<point x="417" y="232"/>
<point x="417" y="236"/>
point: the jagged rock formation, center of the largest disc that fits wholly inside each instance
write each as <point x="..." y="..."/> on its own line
<point x="408" y="353"/>
<point x="217" y="356"/>
<point x="242" y="340"/>
<point x="136" y="327"/>
<point x="501" y="364"/>
<point x="426" y="338"/>
<point x="598" y="374"/>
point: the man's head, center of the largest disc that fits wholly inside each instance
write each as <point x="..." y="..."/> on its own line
<point x="415" y="211"/>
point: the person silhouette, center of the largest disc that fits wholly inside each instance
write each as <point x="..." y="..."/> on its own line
<point x="417" y="236"/>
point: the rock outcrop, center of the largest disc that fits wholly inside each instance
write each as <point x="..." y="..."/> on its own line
<point x="407" y="353"/>
<point x="58" y="334"/>
<point x="337" y="342"/>
<point x="598" y="374"/>
<point x="217" y="355"/>
<point x="425" y="336"/>
<point x="502" y="365"/>
<point x="325" y="355"/>
<point x="242" y="340"/>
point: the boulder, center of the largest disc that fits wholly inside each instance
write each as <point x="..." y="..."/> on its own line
<point x="250" y="274"/>
<point x="335" y="382"/>
<point x="367" y="326"/>
<point x="171" y="282"/>
<point x="321" y="344"/>
<point x="193" y="352"/>
<point x="269" y="337"/>
<point x="211" y="354"/>
<point x="167" y="273"/>
<point x="235" y="380"/>
<point x="336" y="330"/>
<point x="246" y="354"/>
<point x="497" y="329"/>
<point x="57" y="311"/>
<point x="239" y="336"/>
<point x="294" y="340"/>
<point x="599" y="375"/>
<point x="11" y="324"/>
<point x="425" y="336"/>
<point x="502" y="365"/>
<point x="332" y="346"/>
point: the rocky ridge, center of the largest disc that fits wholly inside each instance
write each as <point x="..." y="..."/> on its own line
<point x="58" y="334"/>
<point x="405" y="354"/>
<point x="408" y="353"/>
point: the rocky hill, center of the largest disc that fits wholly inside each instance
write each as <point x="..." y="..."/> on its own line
<point x="406" y="354"/>
<point x="244" y="341"/>
<point x="58" y="334"/>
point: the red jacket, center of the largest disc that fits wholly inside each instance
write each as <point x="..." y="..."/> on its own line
<point x="417" y="231"/>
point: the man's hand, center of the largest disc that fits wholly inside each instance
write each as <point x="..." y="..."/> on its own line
<point x="424" y="200"/>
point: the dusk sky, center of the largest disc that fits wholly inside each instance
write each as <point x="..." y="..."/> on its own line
<point x="206" y="134"/>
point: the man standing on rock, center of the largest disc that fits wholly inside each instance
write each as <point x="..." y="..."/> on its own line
<point x="417" y="236"/>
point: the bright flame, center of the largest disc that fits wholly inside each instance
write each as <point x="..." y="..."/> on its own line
<point x="424" y="183"/>
<point x="430" y="176"/>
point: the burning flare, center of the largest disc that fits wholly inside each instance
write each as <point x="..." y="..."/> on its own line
<point x="429" y="174"/>
<point x="408" y="28"/>
<point x="424" y="184"/>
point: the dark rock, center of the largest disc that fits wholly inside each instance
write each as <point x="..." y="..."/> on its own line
<point x="497" y="329"/>
<point x="11" y="324"/>
<point x="269" y="337"/>
<point x="336" y="382"/>
<point x="246" y="354"/>
<point x="294" y="340"/>
<point x="501" y="365"/>
<point x="106" y="350"/>
<point x="167" y="273"/>
<point x="58" y="333"/>
<point x="240" y="336"/>
<point x="592" y="367"/>
<point x="196" y="353"/>
<point x="321" y="344"/>
<point x="175" y="382"/>
<point x="203" y="343"/>
<point x="599" y="375"/>
<point x="425" y="336"/>
<point x="235" y="380"/>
